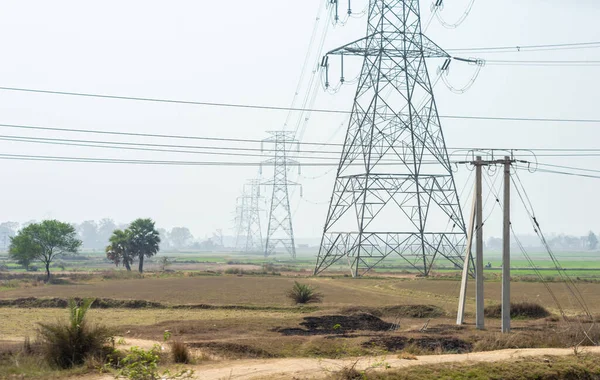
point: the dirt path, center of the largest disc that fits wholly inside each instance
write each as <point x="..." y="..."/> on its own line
<point x="321" y="368"/>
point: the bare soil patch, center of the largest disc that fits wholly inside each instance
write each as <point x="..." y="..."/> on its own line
<point x="431" y="344"/>
<point x="338" y="324"/>
<point x="399" y="311"/>
<point x="230" y="350"/>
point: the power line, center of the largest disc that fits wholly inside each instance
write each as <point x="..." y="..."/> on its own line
<point x="278" y="108"/>
<point x="524" y="48"/>
<point x="562" y="173"/>
<point x="543" y="63"/>
<point x="22" y="157"/>
<point x="546" y="152"/>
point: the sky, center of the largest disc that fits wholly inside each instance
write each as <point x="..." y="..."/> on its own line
<point x="253" y="53"/>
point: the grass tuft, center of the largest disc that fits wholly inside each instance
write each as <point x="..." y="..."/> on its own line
<point x="303" y="294"/>
<point x="519" y="310"/>
<point x="180" y="352"/>
<point x="69" y="344"/>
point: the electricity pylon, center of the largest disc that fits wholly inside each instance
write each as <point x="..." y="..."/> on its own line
<point x="280" y="230"/>
<point x="395" y="191"/>
<point x="249" y="233"/>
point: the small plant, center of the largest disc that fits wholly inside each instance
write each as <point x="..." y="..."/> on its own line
<point x="121" y="341"/>
<point x="166" y="335"/>
<point x="164" y="263"/>
<point x="350" y="373"/>
<point x="69" y="344"/>
<point x="27" y="347"/>
<point x="407" y="356"/>
<point x="140" y="364"/>
<point x="303" y="294"/>
<point x="518" y="310"/>
<point x="180" y="352"/>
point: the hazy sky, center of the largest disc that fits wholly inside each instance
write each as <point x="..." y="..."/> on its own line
<point x="252" y="52"/>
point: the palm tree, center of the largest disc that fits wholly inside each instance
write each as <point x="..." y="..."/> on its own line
<point x="145" y="240"/>
<point x="119" y="249"/>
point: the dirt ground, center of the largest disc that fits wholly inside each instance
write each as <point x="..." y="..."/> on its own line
<point x="322" y="368"/>
<point x="247" y="327"/>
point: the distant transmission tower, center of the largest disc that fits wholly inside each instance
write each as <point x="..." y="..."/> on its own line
<point x="249" y="233"/>
<point x="395" y="191"/>
<point x="280" y="230"/>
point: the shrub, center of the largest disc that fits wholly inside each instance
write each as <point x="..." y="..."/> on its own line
<point x="69" y="344"/>
<point x="180" y="352"/>
<point x="303" y="294"/>
<point x="140" y="364"/>
<point x="519" y="310"/>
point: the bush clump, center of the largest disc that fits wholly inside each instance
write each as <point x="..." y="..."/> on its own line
<point x="519" y="310"/>
<point x="180" y="352"/>
<point x="69" y="344"/>
<point x="303" y="294"/>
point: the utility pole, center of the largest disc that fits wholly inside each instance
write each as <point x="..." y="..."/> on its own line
<point x="460" y="318"/>
<point x="479" y="163"/>
<point x="280" y="230"/>
<point x="506" y="249"/>
<point x="479" y="298"/>
<point x="385" y="200"/>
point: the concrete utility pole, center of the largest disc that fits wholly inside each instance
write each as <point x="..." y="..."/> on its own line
<point x="479" y="319"/>
<point x="478" y="211"/>
<point x="506" y="249"/>
<point x="460" y="317"/>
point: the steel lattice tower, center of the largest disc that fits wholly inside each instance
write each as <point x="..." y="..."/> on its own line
<point x="395" y="191"/>
<point x="280" y="230"/>
<point x="249" y="233"/>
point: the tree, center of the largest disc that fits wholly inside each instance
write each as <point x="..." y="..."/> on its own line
<point x="145" y="240"/>
<point x="105" y="230"/>
<point x="119" y="250"/>
<point x="164" y="239"/>
<point x="23" y="250"/>
<point x="88" y="231"/>
<point x="46" y="241"/>
<point x="8" y="230"/>
<point x="181" y="237"/>
<point x="592" y="241"/>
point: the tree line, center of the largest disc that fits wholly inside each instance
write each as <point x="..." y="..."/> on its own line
<point x="46" y="241"/>
<point x="94" y="234"/>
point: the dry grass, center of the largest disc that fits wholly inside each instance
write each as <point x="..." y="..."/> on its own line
<point x="586" y="367"/>
<point x="560" y="335"/>
<point x="407" y="356"/>
<point x="518" y="310"/>
<point x="180" y="352"/>
<point x="20" y="322"/>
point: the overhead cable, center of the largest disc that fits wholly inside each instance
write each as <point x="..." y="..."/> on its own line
<point x="278" y="108"/>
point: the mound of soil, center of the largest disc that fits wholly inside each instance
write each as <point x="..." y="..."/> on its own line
<point x="110" y="303"/>
<point x="519" y="310"/>
<point x="99" y="303"/>
<point x="233" y="350"/>
<point x="426" y="343"/>
<point x="338" y="324"/>
<point x="399" y="311"/>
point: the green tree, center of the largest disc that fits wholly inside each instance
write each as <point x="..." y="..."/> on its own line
<point x="23" y="250"/>
<point x="592" y="241"/>
<point x="48" y="240"/>
<point x="181" y="237"/>
<point x="145" y="240"/>
<point x="119" y="250"/>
